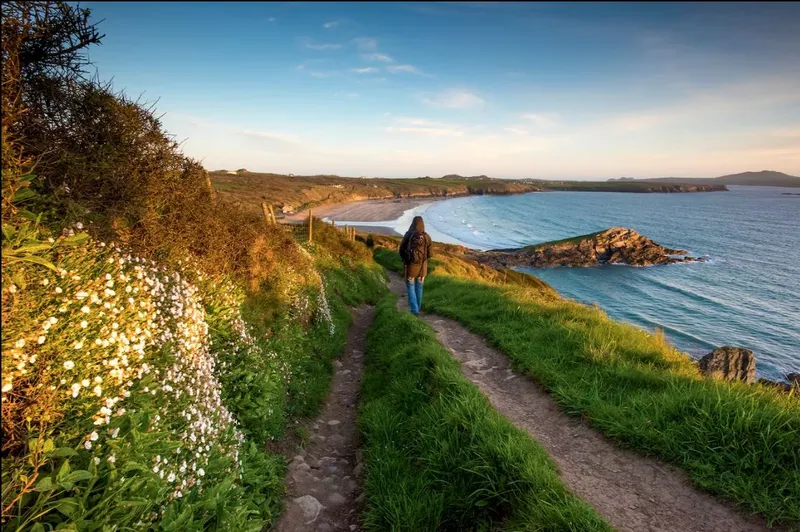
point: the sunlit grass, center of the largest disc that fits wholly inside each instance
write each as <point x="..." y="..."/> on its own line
<point x="739" y="441"/>
<point x="438" y="456"/>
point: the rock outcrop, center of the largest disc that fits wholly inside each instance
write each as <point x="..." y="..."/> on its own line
<point x="730" y="363"/>
<point x="617" y="245"/>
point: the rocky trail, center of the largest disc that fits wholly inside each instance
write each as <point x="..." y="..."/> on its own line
<point x="633" y="492"/>
<point x="323" y="488"/>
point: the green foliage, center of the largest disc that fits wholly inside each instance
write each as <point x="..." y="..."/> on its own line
<point x="438" y="456"/>
<point x="736" y="440"/>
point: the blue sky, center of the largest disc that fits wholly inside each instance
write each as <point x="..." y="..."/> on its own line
<point x="550" y="90"/>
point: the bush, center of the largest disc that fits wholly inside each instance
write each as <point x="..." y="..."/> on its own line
<point x="142" y="378"/>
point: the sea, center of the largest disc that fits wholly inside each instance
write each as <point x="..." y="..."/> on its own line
<point x="747" y="294"/>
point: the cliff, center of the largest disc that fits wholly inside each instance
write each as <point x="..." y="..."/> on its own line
<point x="617" y="245"/>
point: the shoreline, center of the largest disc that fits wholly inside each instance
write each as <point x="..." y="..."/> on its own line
<point x="368" y="210"/>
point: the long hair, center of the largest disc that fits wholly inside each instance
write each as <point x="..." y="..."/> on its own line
<point x="417" y="225"/>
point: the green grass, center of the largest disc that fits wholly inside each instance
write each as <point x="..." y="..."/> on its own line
<point x="438" y="456"/>
<point x="572" y="239"/>
<point x="736" y="440"/>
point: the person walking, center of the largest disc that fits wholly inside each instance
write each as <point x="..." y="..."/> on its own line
<point x="415" y="250"/>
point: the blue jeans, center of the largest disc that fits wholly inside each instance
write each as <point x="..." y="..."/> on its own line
<point x="414" y="290"/>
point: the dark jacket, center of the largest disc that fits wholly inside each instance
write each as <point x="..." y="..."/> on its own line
<point x="415" y="270"/>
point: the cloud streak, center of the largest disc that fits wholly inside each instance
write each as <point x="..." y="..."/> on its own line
<point x="366" y="70"/>
<point x="331" y="24"/>
<point x="323" y="47"/>
<point x="541" y="120"/>
<point x="409" y="69"/>
<point x="375" y="56"/>
<point x="454" y="99"/>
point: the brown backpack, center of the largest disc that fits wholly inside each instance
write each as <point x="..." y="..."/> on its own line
<point x="417" y="252"/>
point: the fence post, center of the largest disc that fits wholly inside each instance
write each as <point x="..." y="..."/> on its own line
<point x="310" y="226"/>
<point x="272" y="213"/>
<point x="211" y="190"/>
<point x="266" y="213"/>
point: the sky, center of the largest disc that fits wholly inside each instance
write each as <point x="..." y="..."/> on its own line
<point x="513" y="90"/>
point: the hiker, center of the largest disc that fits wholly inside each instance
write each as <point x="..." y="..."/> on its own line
<point x="415" y="250"/>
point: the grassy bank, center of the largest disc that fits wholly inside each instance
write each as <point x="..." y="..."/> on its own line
<point x="438" y="456"/>
<point x="739" y="441"/>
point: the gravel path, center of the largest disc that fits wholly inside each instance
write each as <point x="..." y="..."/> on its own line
<point x="323" y="480"/>
<point x="633" y="492"/>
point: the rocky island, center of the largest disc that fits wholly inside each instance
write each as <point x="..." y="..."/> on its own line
<point x="617" y="245"/>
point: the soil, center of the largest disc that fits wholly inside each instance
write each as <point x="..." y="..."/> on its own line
<point x="633" y="492"/>
<point x="323" y="482"/>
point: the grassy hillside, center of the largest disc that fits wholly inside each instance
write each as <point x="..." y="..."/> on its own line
<point x="739" y="441"/>
<point x="249" y="189"/>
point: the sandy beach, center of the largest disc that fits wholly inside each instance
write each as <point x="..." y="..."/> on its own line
<point x="382" y="210"/>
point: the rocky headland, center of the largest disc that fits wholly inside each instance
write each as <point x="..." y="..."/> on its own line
<point x="617" y="245"/>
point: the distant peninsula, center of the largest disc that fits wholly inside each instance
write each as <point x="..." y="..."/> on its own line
<point x="764" y="178"/>
<point x="617" y="245"/>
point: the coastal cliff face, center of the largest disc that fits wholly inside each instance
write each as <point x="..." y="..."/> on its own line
<point x="617" y="245"/>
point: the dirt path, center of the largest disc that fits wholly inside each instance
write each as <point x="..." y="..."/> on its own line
<point x="634" y="493"/>
<point x="322" y="483"/>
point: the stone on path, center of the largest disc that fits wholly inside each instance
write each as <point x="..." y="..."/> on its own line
<point x="310" y="506"/>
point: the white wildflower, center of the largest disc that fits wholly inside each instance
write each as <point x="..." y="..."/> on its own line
<point x="69" y="364"/>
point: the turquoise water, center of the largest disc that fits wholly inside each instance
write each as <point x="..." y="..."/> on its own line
<point x="747" y="295"/>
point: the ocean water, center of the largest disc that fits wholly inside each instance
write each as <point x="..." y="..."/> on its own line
<point x="747" y="294"/>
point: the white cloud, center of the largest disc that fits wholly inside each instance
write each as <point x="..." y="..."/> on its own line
<point x="454" y="99"/>
<point x="426" y="131"/>
<point x="517" y="131"/>
<point x="377" y="57"/>
<point x="331" y="24"/>
<point x="416" y="121"/>
<point x="366" y="44"/>
<point x="423" y="127"/>
<point x="323" y="47"/>
<point x="367" y="70"/>
<point x="271" y="19"/>
<point x="411" y="69"/>
<point x="319" y="74"/>
<point x="540" y="119"/>
<point x="282" y="137"/>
